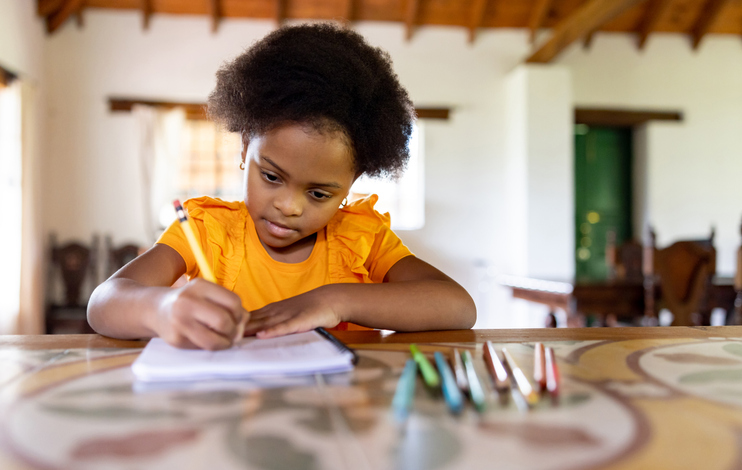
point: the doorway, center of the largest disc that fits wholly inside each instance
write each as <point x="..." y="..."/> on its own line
<point x="603" y="189"/>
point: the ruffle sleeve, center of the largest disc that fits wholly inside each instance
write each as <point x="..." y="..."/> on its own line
<point x="350" y="237"/>
<point x="222" y="228"/>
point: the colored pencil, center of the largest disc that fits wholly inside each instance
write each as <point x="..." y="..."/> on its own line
<point x="198" y="253"/>
<point x="451" y="392"/>
<point x="430" y="376"/>
<point x="552" y="372"/>
<point x="402" y="401"/>
<point x="475" y="388"/>
<point x="496" y="368"/>
<point x="539" y="367"/>
<point x="458" y="371"/>
<point x="520" y="378"/>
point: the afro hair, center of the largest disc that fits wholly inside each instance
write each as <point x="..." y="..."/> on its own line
<point x="324" y="76"/>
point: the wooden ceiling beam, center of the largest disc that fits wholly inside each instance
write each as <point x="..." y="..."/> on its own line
<point x="68" y="8"/>
<point x="475" y="20"/>
<point x="588" y="41"/>
<point x="146" y="13"/>
<point x="47" y="7"/>
<point x="413" y="6"/>
<point x="708" y="14"/>
<point x="538" y="15"/>
<point x="215" y="12"/>
<point x="350" y="13"/>
<point x="280" y="12"/>
<point x="655" y="10"/>
<point x="588" y="17"/>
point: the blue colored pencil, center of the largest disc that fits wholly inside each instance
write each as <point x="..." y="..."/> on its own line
<point x="476" y="393"/>
<point x="451" y="392"/>
<point x="402" y="401"/>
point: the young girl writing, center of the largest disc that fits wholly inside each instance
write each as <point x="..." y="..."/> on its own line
<point x="317" y="107"/>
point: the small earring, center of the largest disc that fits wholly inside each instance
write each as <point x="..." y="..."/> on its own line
<point x="344" y="203"/>
<point x="242" y="165"/>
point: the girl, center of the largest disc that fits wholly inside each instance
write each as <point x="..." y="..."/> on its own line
<point x="317" y="107"/>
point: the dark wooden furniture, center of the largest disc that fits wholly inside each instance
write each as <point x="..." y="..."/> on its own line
<point x="679" y="278"/>
<point x="116" y="257"/>
<point x="623" y="301"/>
<point x="738" y="286"/>
<point x="72" y="270"/>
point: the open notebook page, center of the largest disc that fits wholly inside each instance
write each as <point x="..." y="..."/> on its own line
<point x="302" y="353"/>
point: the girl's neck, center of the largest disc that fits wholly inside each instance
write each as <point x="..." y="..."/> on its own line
<point x="295" y="253"/>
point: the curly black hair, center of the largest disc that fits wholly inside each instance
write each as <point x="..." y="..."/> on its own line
<point x="324" y="76"/>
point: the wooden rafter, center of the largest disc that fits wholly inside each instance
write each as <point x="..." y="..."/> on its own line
<point x="588" y="17"/>
<point x="475" y="20"/>
<point x="411" y="17"/>
<point x="47" y="7"/>
<point x="709" y="13"/>
<point x="215" y="12"/>
<point x="280" y="11"/>
<point x="146" y="13"/>
<point x="538" y="15"/>
<point x="350" y="12"/>
<point x="655" y="10"/>
<point x="57" y="19"/>
<point x="588" y="41"/>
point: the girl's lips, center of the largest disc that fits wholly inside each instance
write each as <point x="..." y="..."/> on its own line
<point x="278" y="231"/>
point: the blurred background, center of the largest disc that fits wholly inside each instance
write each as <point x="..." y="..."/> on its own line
<point x="550" y="132"/>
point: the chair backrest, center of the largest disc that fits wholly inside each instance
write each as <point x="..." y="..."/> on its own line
<point x="625" y="260"/>
<point x="116" y="257"/>
<point x="683" y="273"/>
<point x="75" y="264"/>
<point x="738" y="275"/>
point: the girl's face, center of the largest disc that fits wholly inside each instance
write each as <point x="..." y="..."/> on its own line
<point x="295" y="181"/>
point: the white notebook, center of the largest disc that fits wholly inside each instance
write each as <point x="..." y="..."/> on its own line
<point x="303" y="353"/>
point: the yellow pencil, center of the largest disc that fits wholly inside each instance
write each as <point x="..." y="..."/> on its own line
<point x="185" y="224"/>
<point x="203" y="265"/>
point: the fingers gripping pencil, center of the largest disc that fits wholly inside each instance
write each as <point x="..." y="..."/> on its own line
<point x="203" y="264"/>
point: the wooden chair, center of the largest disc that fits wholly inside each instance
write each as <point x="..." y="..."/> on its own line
<point x="118" y="256"/>
<point x="72" y="269"/>
<point x="624" y="261"/>
<point x="738" y="286"/>
<point x="678" y="278"/>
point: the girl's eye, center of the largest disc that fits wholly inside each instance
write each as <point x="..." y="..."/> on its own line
<point x="270" y="177"/>
<point x="319" y="195"/>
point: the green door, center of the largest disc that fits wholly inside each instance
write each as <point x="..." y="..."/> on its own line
<point x="602" y="195"/>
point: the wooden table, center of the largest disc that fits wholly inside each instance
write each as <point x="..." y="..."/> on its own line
<point x="631" y="398"/>
<point x="623" y="299"/>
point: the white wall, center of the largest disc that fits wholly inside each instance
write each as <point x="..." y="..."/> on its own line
<point x="96" y="183"/>
<point x="693" y="168"/>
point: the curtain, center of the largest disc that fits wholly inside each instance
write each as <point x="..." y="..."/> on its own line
<point x="10" y="195"/>
<point x="31" y="315"/>
<point x="160" y="150"/>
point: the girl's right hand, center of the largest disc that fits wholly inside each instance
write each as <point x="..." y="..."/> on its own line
<point x="200" y="315"/>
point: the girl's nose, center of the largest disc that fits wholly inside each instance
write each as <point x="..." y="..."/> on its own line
<point x="289" y="204"/>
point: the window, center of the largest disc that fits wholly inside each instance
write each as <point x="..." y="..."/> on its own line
<point x="210" y="164"/>
<point x="404" y="199"/>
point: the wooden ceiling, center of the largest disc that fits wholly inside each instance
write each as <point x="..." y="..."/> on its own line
<point x="567" y="20"/>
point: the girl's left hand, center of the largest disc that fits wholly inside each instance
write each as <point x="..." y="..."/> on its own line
<point x="297" y="314"/>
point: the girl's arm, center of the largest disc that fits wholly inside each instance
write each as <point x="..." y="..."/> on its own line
<point x="415" y="296"/>
<point x="137" y="302"/>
